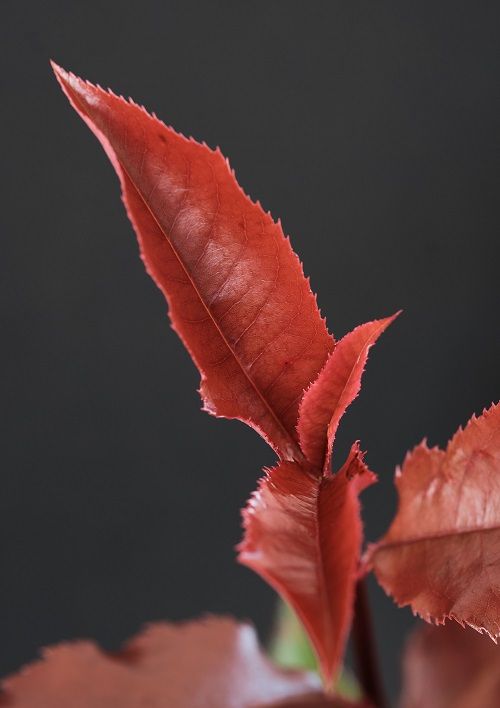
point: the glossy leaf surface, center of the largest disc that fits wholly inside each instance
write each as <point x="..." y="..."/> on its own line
<point x="338" y="384"/>
<point x="450" y="667"/>
<point x="236" y="291"/>
<point x="441" y="554"/>
<point x="213" y="663"/>
<point x="303" y="536"/>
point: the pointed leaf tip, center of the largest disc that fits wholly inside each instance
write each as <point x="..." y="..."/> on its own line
<point x="335" y="388"/>
<point x="61" y="74"/>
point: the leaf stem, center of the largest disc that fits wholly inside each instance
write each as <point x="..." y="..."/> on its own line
<point x="365" y="650"/>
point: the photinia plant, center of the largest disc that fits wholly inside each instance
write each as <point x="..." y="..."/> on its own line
<point x="239" y="301"/>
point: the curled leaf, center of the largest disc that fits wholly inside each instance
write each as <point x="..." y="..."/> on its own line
<point x="303" y="536"/>
<point x="237" y="294"/>
<point x="441" y="554"/>
<point x="336" y="387"/>
<point x="213" y="663"/>
<point x="450" y="667"/>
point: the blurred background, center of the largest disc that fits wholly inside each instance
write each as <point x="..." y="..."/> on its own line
<point x="372" y="130"/>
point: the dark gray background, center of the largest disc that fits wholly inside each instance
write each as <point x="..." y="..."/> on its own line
<point x="372" y="129"/>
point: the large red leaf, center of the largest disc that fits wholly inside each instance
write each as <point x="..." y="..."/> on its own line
<point x="337" y="385"/>
<point x="237" y="294"/>
<point x="303" y="535"/>
<point x="450" y="667"/>
<point x="318" y="701"/>
<point x="213" y="663"/>
<point x="441" y="554"/>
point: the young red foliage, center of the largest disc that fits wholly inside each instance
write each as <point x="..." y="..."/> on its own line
<point x="236" y="291"/>
<point x="244" y="310"/>
<point x="441" y="553"/>
<point x="450" y="667"/>
<point x="338" y="384"/>
<point x="213" y="662"/>
<point x="303" y="535"/>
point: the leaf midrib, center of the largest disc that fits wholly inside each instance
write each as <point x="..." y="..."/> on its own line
<point x="297" y="454"/>
<point x="391" y="545"/>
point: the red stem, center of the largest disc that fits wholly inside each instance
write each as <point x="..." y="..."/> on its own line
<point x="365" y="650"/>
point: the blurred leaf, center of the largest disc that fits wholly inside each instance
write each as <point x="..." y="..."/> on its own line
<point x="209" y="662"/>
<point x="450" y="667"/>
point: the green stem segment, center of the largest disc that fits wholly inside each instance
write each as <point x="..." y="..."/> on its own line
<point x="365" y="650"/>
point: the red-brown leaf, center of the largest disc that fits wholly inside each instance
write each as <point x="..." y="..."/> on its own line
<point x="213" y="663"/>
<point x="450" y="667"/>
<point x="337" y="385"/>
<point x="236" y="291"/>
<point x="303" y="536"/>
<point x="318" y="701"/>
<point x="441" y="554"/>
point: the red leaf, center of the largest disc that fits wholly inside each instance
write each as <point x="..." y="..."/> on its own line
<point x="236" y="291"/>
<point x="450" y="667"/>
<point x="337" y="385"/>
<point x="303" y="536"/>
<point x="441" y="554"/>
<point x="214" y="662"/>
<point x="318" y="701"/>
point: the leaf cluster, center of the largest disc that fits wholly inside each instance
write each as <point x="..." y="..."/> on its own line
<point x="240" y="302"/>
